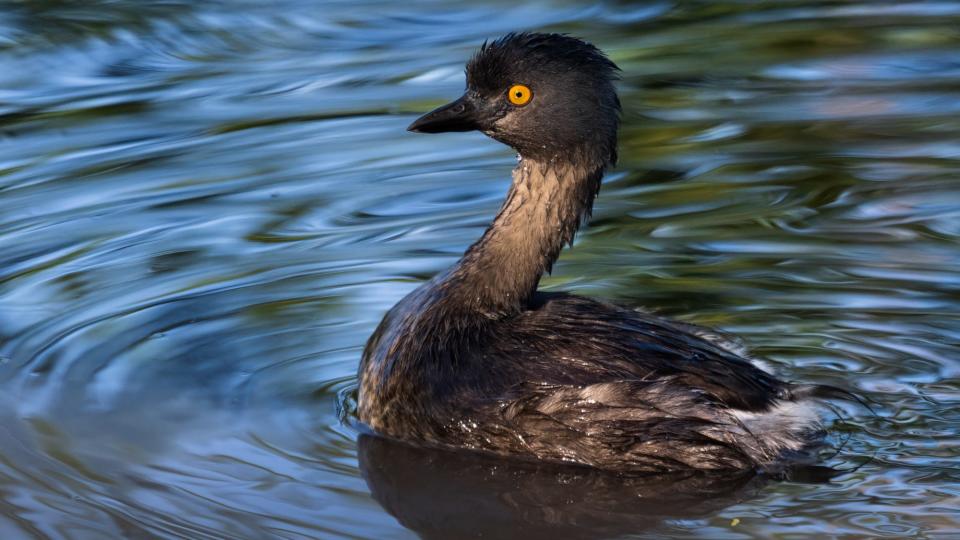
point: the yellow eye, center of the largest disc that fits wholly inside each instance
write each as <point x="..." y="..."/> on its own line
<point x="519" y="94"/>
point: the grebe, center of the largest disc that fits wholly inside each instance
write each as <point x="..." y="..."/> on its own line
<point x="478" y="359"/>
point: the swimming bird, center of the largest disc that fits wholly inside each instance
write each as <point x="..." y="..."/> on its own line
<point x="477" y="358"/>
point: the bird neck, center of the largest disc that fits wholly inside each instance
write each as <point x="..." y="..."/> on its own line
<point x="547" y="202"/>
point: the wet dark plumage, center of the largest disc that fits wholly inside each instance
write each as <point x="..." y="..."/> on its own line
<point x="477" y="358"/>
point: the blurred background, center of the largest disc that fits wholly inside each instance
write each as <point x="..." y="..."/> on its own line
<point x="206" y="207"/>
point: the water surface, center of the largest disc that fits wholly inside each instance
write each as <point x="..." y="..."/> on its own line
<point x="206" y="207"/>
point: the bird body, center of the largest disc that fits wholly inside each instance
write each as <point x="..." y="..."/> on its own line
<point x="477" y="358"/>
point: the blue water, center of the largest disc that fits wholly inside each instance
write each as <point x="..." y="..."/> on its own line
<point x="206" y="207"/>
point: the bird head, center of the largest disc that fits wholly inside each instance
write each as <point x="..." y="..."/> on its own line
<point x="548" y="96"/>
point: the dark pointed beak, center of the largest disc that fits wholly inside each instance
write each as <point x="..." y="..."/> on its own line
<point x="461" y="115"/>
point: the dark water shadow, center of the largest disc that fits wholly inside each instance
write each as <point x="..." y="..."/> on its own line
<point x="449" y="495"/>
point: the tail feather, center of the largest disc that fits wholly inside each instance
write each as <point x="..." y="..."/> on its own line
<point x="826" y="391"/>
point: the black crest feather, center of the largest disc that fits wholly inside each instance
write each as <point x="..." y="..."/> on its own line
<point x="517" y="54"/>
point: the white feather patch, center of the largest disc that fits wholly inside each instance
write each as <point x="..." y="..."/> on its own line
<point x="784" y="426"/>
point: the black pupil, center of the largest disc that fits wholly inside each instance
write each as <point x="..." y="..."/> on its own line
<point x="519" y="93"/>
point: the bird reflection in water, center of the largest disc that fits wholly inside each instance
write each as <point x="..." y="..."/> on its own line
<point x="443" y="494"/>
